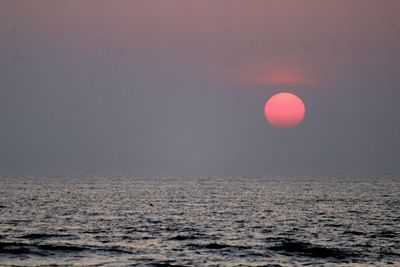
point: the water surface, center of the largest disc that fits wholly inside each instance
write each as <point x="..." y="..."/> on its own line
<point x="199" y="221"/>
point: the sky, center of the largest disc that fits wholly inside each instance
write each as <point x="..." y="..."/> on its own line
<point x="179" y="87"/>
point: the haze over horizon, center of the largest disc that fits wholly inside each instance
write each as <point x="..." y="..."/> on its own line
<point x="180" y="87"/>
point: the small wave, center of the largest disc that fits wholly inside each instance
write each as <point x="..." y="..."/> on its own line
<point x="385" y="234"/>
<point x="44" y="249"/>
<point x="153" y="221"/>
<point x="41" y="236"/>
<point x="117" y="250"/>
<point x="13" y="248"/>
<point x="61" y="248"/>
<point x="164" y="264"/>
<point x="217" y="246"/>
<point x="310" y="250"/>
<point x="267" y="230"/>
<point x="183" y="237"/>
<point x="23" y="248"/>
<point x="334" y="225"/>
<point x="17" y="222"/>
<point x="350" y="232"/>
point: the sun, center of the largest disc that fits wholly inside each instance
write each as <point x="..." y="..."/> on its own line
<point x="284" y="110"/>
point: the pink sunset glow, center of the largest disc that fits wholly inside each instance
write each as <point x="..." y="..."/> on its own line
<point x="281" y="75"/>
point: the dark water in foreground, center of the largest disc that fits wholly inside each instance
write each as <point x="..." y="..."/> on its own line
<point x="199" y="221"/>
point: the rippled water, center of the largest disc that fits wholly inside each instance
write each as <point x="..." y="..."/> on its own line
<point x="116" y="221"/>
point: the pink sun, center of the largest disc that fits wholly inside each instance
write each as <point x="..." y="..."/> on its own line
<point x="284" y="110"/>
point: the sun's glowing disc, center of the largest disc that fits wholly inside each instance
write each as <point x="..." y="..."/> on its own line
<point x="284" y="110"/>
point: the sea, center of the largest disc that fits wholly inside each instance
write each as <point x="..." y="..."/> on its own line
<point x="199" y="221"/>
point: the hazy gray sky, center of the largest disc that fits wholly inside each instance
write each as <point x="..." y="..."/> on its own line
<point x="180" y="86"/>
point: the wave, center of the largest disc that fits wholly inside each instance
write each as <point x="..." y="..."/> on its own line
<point x="385" y="234"/>
<point x="217" y="246"/>
<point x="183" y="237"/>
<point x="310" y="250"/>
<point x="23" y="248"/>
<point x="163" y="264"/>
<point x="354" y="232"/>
<point x="44" y="249"/>
<point x="42" y="236"/>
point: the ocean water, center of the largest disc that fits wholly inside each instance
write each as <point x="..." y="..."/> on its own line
<point x="199" y="221"/>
